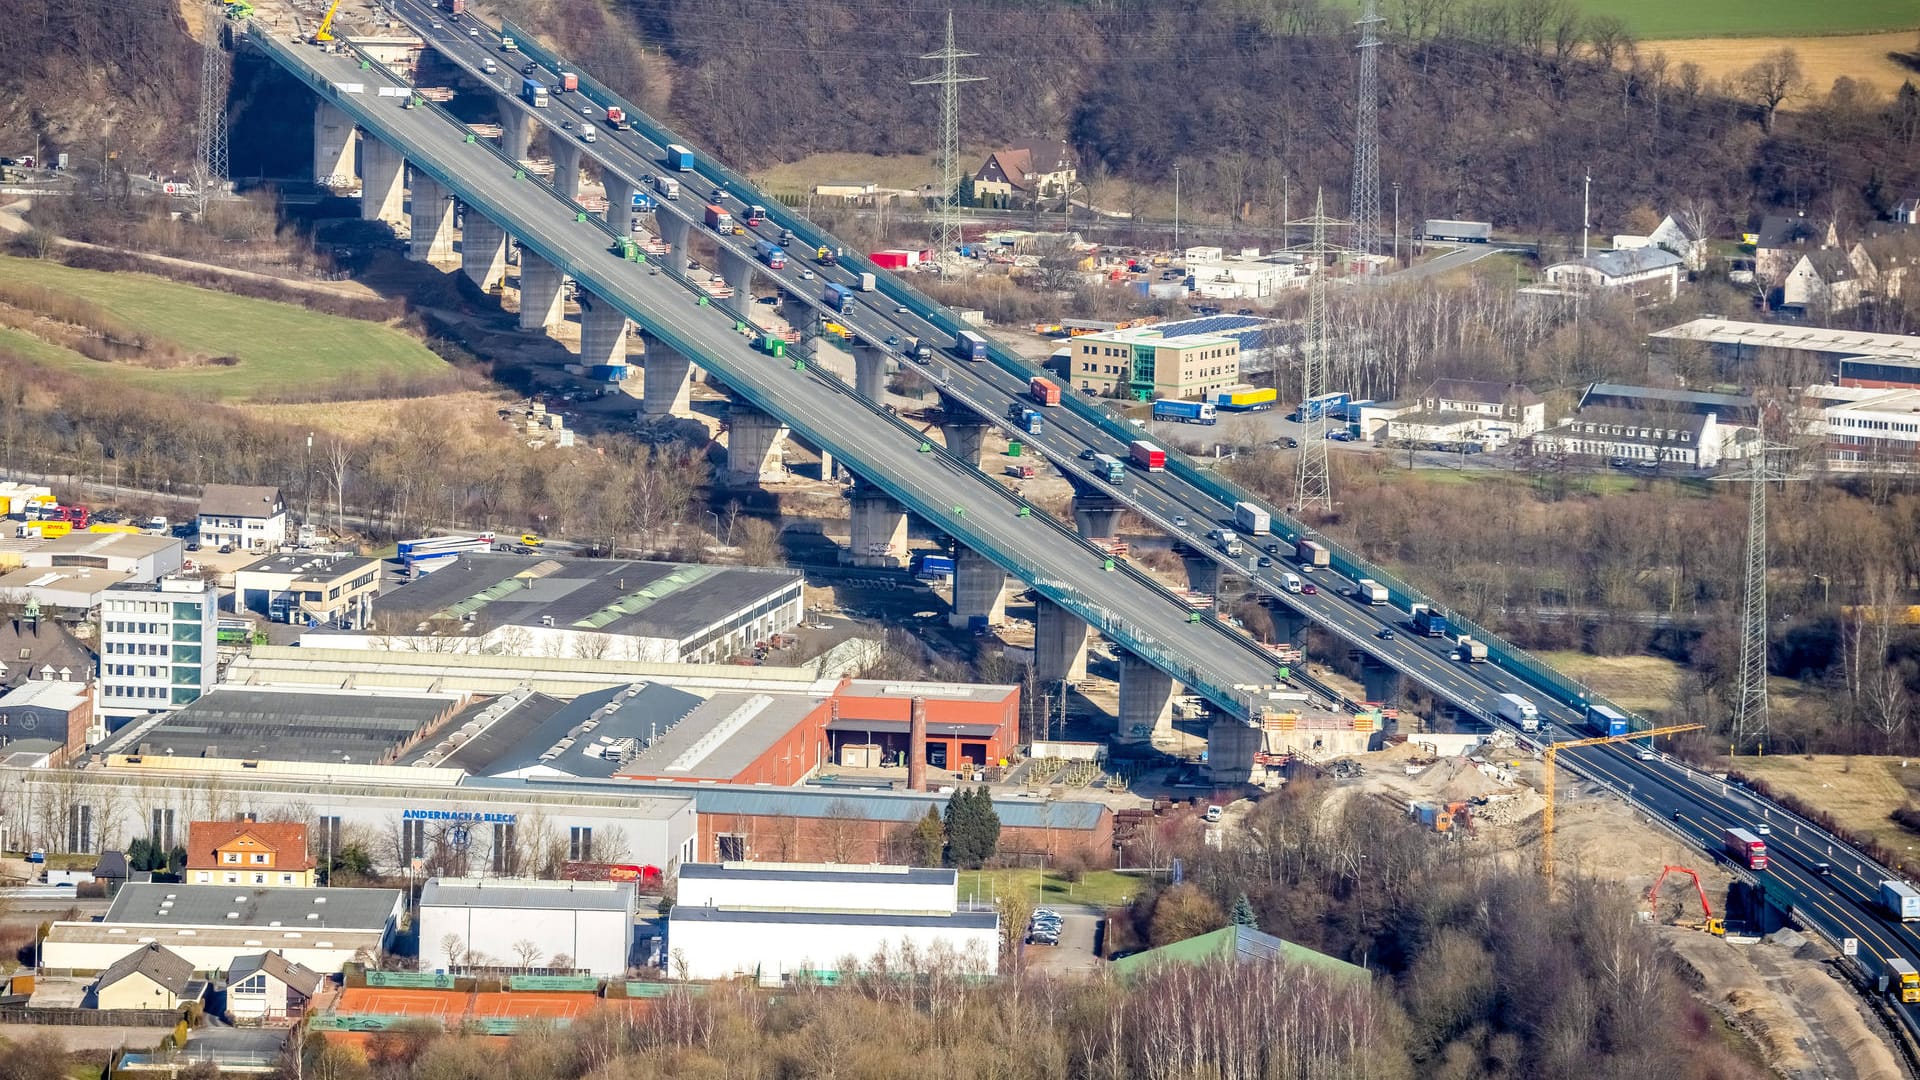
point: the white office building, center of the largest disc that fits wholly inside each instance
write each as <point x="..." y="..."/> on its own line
<point x="157" y="648"/>
<point x="470" y="923"/>
<point x="1865" y="428"/>
<point x="777" y="922"/>
<point x="244" y="516"/>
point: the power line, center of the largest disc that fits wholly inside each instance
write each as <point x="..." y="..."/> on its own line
<point x="949" y="81"/>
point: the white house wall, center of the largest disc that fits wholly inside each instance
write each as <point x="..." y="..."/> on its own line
<point x="598" y="941"/>
<point x="720" y="950"/>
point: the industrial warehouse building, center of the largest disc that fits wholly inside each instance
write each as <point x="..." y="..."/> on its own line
<point x="480" y="923"/>
<point x="778" y="922"/>
<point x="273" y="724"/>
<point x="309" y="589"/>
<point x="140" y="556"/>
<point x="213" y="925"/>
<point x="612" y="609"/>
<point x="452" y="824"/>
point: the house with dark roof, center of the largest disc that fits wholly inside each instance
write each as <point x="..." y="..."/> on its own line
<point x="249" y="517"/>
<point x="272" y="854"/>
<point x="1649" y="272"/>
<point x="1041" y="169"/>
<point x="151" y="977"/>
<point x="1641" y="437"/>
<point x="1734" y="408"/>
<point x="1782" y="239"/>
<point x="268" y="986"/>
<point x="35" y="647"/>
<point x="1828" y="280"/>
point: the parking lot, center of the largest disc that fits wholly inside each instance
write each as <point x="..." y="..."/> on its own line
<point x="1072" y="948"/>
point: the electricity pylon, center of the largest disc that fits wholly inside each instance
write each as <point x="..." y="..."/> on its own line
<point x="1312" y="488"/>
<point x="949" y="81"/>
<point x="1751" y="725"/>
<point x="210" y="168"/>
<point x="1364" y="203"/>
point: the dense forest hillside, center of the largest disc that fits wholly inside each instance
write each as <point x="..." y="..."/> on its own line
<point x="92" y="76"/>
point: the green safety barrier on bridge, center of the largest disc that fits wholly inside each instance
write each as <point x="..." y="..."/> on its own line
<point x="450" y="171"/>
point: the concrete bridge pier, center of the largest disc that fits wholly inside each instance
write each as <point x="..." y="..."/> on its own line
<point x="663" y="389"/>
<point x="870" y="371"/>
<point x="603" y="338"/>
<point x="334" y="137"/>
<point x="1230" y="749"/>
<point x="965" y="434"/>
<point x="1096" y="516"/>
<point x="798" y="315"/>
<point x="675" y="232"/>
<point x="619" y="200"/>
<point x="432" y="214"/>
<point x="483" y="251"/>
<point x="754" y="440"/>
<point x="566" y="166"/>
<point x="1146" y="700"/>
<point x="879" y="530"/>
<point x="737" y="271"/>
<point x="383" y="175"/>
<point x="516" y="131"/>
<point x="1059" y="644"/>
<point x="1289" y="626"/>
<point x="979" y="590"/>
<point x="1203" y="574"/>
<point x="542" y="287"/>
<point x="1381" y="683"/>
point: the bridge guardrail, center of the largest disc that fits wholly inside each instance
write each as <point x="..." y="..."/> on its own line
<point x="1087" y="608"/>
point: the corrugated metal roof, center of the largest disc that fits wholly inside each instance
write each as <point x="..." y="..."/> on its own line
<point x="805" y="802"/>
<point x="892" y="875"/>
<point x="527" y="895"/>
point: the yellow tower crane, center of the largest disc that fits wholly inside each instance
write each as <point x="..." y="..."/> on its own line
<point x="325" y="33"/>
<point x="1552" y="753"/>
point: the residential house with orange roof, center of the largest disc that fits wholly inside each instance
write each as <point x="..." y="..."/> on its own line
<point x="266" y="853"/>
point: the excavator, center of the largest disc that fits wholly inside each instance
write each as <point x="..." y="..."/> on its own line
<point x="1716" y="927"/>
<point x="325" y="33"/>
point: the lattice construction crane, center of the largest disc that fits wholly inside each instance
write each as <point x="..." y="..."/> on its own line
<point x="1552" y="753"/>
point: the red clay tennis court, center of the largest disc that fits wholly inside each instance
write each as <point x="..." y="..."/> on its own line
<point x="444" y="1005"/>
<point x="532" y="1006"/>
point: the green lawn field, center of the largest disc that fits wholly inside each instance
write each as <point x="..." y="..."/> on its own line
<point x="1103" y="887"/>
<point x="279" y="346"/>
<point x="1654" y="19"/>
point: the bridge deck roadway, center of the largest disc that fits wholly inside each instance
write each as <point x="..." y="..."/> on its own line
<point x="970" y="506"/>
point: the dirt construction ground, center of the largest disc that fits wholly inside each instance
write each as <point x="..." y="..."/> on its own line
<point x="1781" y="995"/>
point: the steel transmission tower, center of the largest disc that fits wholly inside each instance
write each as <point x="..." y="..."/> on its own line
<point x="1312" y="490"/>
<point x="949" y="81"/>
<point x="1750" y="721"/>
<point x="1364" y="203"/>
<point x="211" y="168"/>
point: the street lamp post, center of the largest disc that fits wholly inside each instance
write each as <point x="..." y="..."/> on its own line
<point x="1176" y="206"/>
<point x="716" y="526"/>
<point x="1396" y="223"/>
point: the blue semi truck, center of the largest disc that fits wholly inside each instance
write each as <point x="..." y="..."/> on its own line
<point x="837" y="296"/>
<point x="1186" y="412"/>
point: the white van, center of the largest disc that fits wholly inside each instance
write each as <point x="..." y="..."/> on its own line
<point x="1290" y="582"/>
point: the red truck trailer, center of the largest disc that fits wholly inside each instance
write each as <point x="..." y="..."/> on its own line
<point x="1746" y="849"/>
<point x="1148" y="456"/>
<point x="1043" y="391"/>
<point x="569" y="82"/>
